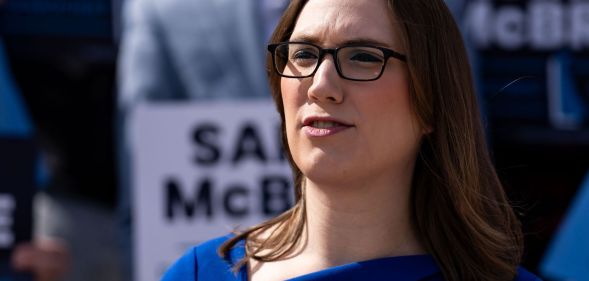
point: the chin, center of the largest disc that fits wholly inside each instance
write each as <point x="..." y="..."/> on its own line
<point x="325" y="171"/>
<point x="327" y="164"/>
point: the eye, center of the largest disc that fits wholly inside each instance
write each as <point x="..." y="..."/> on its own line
<point x="303" y="55"/>
<point x="362" y="56"/>
<point x="365" y="57"/>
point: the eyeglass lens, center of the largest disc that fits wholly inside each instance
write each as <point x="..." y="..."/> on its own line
<point x="354" y="62"/>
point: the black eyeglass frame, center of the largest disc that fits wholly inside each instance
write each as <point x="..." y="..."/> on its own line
<point x="387" y="53"/>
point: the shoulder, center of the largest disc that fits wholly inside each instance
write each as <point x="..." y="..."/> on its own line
<point x="190" y="266"/>
<point x="184" y="268"/>
<point x="209" y="248"/>
<point x="524" y="275"/>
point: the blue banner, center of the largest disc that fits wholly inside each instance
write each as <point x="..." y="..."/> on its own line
<point x="532" y="64"/>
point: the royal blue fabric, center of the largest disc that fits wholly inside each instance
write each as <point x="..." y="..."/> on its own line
<point x="204" y="264"/>
<point x="568" y="256"/>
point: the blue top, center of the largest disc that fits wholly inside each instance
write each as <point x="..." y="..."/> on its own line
<point x="202" y="263"/>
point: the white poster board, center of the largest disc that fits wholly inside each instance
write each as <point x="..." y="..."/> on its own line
<point x="198" y="170"/>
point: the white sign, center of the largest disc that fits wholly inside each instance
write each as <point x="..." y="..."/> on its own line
<point x="199" y="170"/>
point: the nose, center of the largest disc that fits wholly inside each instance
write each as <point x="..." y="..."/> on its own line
<point x="326" y="84"/>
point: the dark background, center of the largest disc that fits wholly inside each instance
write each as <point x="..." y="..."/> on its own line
<point x="63" y="58"/>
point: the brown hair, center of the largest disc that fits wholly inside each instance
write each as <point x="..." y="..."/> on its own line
<point x="459" y="208"/>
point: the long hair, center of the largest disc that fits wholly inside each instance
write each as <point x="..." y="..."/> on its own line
<point x="458" y="205"/>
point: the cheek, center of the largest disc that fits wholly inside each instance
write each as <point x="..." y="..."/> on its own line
<point x="291" y="103"/>
<point x="391" y="118"/>
<point x="395" y="96"/>
<point x="388" y="99"/>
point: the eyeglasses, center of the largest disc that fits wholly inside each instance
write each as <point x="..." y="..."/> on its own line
<point x="354" y="62"/>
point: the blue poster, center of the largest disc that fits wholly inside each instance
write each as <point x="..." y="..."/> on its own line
<point x="532" y="67"/>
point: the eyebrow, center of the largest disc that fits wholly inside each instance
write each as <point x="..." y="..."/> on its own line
<point x="355" y="41"/>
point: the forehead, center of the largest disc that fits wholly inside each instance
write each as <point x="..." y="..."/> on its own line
<point x="333" y="22"/>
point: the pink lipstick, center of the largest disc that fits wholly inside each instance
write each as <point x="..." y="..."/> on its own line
<point x="323" y="126"/>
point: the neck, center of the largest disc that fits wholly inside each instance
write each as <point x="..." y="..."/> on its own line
<point x="362" y="221"/>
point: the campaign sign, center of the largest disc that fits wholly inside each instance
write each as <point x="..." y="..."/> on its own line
<point x="17" y="156"/>
<point x="532" y="63"/>
<point x="201" y="170"/>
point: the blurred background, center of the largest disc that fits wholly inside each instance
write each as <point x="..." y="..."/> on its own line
<point x="63" y="114"/>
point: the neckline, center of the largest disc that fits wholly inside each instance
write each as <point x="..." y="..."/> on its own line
<point x="410" y="267"/>
<point x="413" y="267"/>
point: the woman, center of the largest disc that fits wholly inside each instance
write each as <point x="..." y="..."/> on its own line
<point x="393" y="179"/>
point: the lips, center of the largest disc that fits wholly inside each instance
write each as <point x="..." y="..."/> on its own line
<point x="323" y="126"/>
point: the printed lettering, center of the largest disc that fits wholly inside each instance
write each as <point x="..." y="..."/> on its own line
<point x="205" y="137"/>
<point x="249" y="144"/>
<point x="275" y="195"/>
<point x="232" y="197"/>
<point x="510" y="28"/>
<point x="177" y="204"/>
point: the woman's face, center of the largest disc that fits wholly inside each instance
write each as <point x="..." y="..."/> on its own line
<point x="341" y="130"/>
